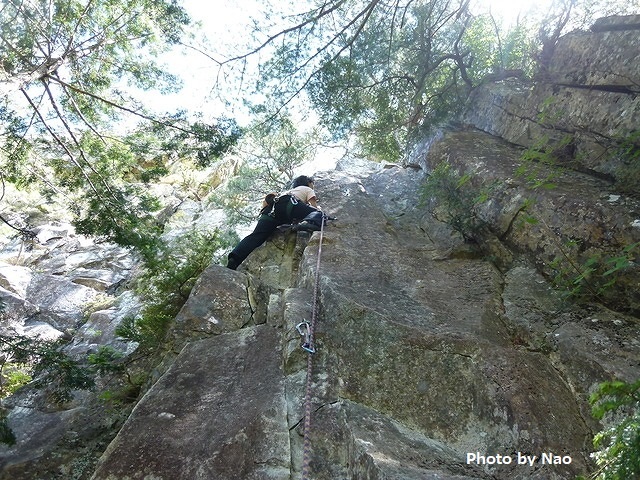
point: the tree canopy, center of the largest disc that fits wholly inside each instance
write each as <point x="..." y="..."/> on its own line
<point x="381" y="72"/>
<point x="69" y="74"/>
<point x="388" y="71"/>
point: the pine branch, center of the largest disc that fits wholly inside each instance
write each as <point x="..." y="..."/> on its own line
<point x="120" y="107"/>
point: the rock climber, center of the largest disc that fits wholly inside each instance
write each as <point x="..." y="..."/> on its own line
<point x="299" y="204"/>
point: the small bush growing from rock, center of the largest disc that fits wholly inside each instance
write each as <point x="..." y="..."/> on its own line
<point x="457" y="200"/>
<point x="618" y="445"/>
<point x="166" y="283"/>
<point x="628" y="173"/>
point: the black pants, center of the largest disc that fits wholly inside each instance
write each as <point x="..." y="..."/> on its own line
<point x="284" y="212"/>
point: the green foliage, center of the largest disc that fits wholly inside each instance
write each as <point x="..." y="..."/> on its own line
<point x="379" y="70"/>
<point x="166" y="284"/>
<point x="106" y="360"/>
<point x="277" y="147"/>
<point x="121" y="396"/>
<point x="271" y="151"/>
<point x="628" y="155"/>
<point x="203" y="142"/>
<point x="518" y="50"/>
<point x="341" y="105"/>
<point x="15" y="170"/>
<point x="12" y="377"/>
<point x="457" y="199"/>
<point x="71" y="70"/>
<point x="51" y="369"/>
<point x="481" y="36"/>
<point x="125" y="218"/>
<point x="618" y="445"/>
<point x="59" y="374"/>
<point x="539" y="163"/>
<point x="597" y="277"/>
<point x="382" y="136"/>
<point x="388" y="72"/>
<point x="217" y="139"/>
<point x="243" y="192"/>
<point x="101" y="45"/>
<point x="44" y="364"/>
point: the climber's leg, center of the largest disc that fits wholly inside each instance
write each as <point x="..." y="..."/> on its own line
<point x="260" y="234"/>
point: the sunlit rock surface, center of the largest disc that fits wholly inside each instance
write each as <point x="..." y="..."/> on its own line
<point x="589" y="93"/>
<point x="425" y="353"/>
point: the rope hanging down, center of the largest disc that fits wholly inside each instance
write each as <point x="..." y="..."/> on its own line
<point x="309" y="346"/>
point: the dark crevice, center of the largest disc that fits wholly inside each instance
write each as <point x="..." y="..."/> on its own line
<point x="502" y="237"/>
<point x="315" y="410"/>
<point x="608" y="27"/>
<point x="628" y="90"/>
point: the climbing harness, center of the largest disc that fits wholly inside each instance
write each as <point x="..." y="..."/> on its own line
<point x="289" y="198"/>
<point x="306" y="329"/>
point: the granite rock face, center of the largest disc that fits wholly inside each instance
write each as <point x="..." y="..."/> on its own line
<point x="429" y="358"/>
<point x="218" y="412"/>
<point x="585" y="104"/>
<point x="426" y="353"/>
<point x="580" y="220"/>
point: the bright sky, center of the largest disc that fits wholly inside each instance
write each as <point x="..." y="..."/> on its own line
<point x="227" y="22"/>
<point x="509" y="10"/>
<point x="223" y="23"/>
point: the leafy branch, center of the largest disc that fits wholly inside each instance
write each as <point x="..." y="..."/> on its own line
<point x="456" y="199"/>
<point x="166" y="283"/>
<point x="62" y="64"/>
<point x="50" y="368"/>
<point x="618" y="446"/>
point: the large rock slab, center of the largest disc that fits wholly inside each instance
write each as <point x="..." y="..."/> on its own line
<point x="218" y="412"/>
<point x="380" y="447"/>
<point x="55" y="443"/>
<point x="100" y="328"/>
<point x="219" y="303"/>
<point x="512" y="111"/>
<point x="576" y="221"/>
<point x="59" y="301"/>
<point x="589" y="93"/>
<point x="604" y="56"/>
<point x="15" y="278"/>
<point x="426" y="351"/>
<point x="425" y="335"/>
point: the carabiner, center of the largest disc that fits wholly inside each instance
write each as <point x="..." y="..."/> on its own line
<point x="305" y="346"/>
<point x="306" y="332"/>
<point x="304" y="329"/>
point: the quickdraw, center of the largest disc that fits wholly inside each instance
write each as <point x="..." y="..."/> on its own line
<point x="304" y="329"/>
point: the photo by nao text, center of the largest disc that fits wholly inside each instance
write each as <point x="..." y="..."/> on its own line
<point x="519" y="458"/>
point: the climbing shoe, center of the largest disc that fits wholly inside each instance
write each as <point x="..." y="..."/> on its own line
<point x="232" y="264"/>
<point x="305" y="226"/>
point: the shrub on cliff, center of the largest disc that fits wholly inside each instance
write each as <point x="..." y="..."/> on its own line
<point x="618" y="445"/>
<point x="166" y="283"/>
<point x="457" y="200"/>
